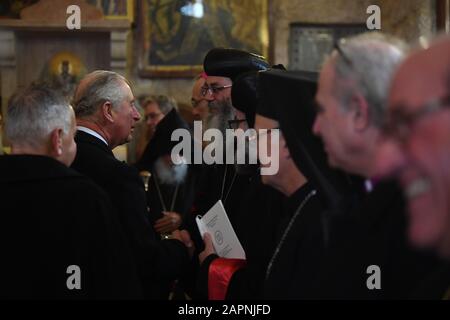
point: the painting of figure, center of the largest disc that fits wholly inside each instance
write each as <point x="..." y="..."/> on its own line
<point x="113" y="8"/>
<point x="178" y="33"/>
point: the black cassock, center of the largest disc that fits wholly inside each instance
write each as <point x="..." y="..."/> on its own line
<point x="222" y="182"/>
<point x="263" y="224"/>
<point x="375" y="234"/>
<point x="292" y="270"/>
<point x="181" y="196"/>
<point x="54" y="218"/>
<point x="158" y="262"/>
<point x="283" y="248"/>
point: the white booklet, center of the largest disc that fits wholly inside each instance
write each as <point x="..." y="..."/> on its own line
<point x="217" y="224"/>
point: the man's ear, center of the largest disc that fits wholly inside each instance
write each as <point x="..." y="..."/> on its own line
<point x="56" y="145"/>
<point x="107" y="111"/>
<point x="360" y="109"/>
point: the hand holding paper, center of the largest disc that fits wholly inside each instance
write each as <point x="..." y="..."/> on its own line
<point x="216" y="223"/>
<point x="209" y="248"/>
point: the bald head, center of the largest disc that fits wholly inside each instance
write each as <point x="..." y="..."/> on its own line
<point x="419" y="143"/>
<point x="424" y="75"/>
<point x="199" y="102"/>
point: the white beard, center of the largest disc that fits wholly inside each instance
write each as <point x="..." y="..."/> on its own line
<point x="170" y="175"/>
<point x="219" y="119"/>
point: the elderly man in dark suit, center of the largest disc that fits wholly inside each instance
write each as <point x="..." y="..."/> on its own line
<point x="58" y="237"/>
<point x="106" y="115"/>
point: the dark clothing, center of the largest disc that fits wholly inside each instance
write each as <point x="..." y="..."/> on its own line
<point x="300" y="246"/>
<point x="176" y="198"/>
<point x="257" y="226"/>
<point x="293" y="269"/>
<point x="376" y="234"/>
<point x="158" y="262"/>
<point x="436" y="285"/>
<point x="181" y="196"/>
<point x="221" y="182"/>
<point x="53" y="218"/>
<point x="183" y="199"/>
<point x="258" y="215"/>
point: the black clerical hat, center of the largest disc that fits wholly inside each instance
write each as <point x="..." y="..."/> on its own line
<point x="226" y="62"/>
<point x="161" y="144"/>
<point x="289" y="98"/>
<point x="244" y="95"/>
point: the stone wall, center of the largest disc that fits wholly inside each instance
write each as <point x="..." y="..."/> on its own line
<point x="408" y="19"/>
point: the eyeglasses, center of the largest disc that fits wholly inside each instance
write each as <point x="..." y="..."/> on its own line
<point x="195" y="102"/>
<point x="344" y="56"/>
<point x="152" y="116"/>
<point x="234" y="124"/>
<point x="400" y="123"/>
<point x="206" y="89"/>
<point x="357" y="74"/>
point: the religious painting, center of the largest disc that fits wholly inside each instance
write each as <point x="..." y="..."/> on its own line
<point x="177" y="34"/>
<point x="115" y="9"/>
<point x="309" y="44"/>
<point x="63" y="72"/>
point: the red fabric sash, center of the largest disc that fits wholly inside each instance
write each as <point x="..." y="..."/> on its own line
<point x="219" y="275"/>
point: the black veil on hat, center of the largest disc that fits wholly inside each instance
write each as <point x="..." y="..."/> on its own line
<point x="244" y="95"/>
<point x="227" y="62"/>
<point x="288" y="97"/>
<point x="161" y="144"/>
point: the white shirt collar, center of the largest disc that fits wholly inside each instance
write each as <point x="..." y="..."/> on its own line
<point x="92" y="133"/>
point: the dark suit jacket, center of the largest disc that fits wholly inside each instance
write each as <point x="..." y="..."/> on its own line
<point x="158" y="261"/>
<point x="53" y="218"/>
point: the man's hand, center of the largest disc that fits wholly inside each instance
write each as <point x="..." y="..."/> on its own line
<point x="209" y="248"/>
<point x="184" y="237"/>
<point x="171" y="221"/>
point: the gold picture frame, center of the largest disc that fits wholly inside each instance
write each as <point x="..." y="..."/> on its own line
<point x="176" y="35"/>
<point x="115" y="9"/>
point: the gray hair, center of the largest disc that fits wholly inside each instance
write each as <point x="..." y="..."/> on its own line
<point x="34" y="113"/>
<point x="165" y="103"/>
<point x="102" y="86"/>
<point x="370" y="60"/>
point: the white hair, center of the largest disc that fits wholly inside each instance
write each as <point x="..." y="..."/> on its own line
<point x="34" y="113"/>
<point x="165" y="103"/>
<point x="101" y="86"/>
<point x="370" y="60"/>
